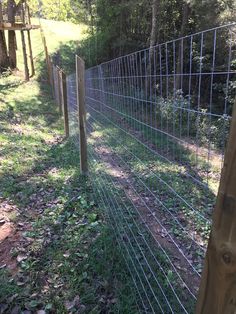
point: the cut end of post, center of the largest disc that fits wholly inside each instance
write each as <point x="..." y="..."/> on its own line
<point x="79" y="59"/>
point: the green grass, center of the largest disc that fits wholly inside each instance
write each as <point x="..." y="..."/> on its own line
<point x="194" y="160"/>
<point x="176" y="195"/>
<point x="138" y="246"/>
<point x="57" y="33"/>
<point x="71" y="262"/>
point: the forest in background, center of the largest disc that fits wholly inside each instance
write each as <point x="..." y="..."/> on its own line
<point x="118" y="27"/>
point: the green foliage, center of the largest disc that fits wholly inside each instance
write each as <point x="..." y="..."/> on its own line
<point x="58" y="10"/>
<point x="208" y="130"/>
<point x="126" y="25"/>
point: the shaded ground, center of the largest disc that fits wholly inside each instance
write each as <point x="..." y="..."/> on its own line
<point x="57" y="253"/>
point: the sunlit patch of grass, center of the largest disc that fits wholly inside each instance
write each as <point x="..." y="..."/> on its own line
<point x="56" y="32"/>
<point x="97" y="134"/>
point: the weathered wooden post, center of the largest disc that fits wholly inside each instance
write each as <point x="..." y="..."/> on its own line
<point x="1" y="15"/>
<point x="80" y="87"/>
<point x="28" y="13"/>
<point x="11" y="12"/>
<point x="52" y="77"/>
<point x="217" y="293"/>
<point x="59" y="88"/>
<point x="54" y="74"/>
<point x="31" y="54"/>
<point x="64" y="102"/>
<point x="47" y="58"/>
<point x="24" y="55"/>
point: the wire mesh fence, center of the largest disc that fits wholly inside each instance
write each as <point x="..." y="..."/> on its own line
<point x="157" y="124"/>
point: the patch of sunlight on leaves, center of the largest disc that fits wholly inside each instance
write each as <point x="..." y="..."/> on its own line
<point x="97" y="134"/>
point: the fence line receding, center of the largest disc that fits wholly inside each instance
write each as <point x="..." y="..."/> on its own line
<point x="157" y="124"/>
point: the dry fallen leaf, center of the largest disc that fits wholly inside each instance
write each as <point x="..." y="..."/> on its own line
<point x="70" y="304"/>
<point x="21" y="258"/>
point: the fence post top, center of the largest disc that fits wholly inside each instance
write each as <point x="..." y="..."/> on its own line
<point x="79" y="59"/>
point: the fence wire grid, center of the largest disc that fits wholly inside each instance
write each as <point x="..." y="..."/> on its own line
<point x="157" y="125"/>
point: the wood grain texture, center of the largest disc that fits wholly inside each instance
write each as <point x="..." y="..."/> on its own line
<point x="25" y="56"/>
<point x="31" y="54"/>
<point x="217" y="293"/>
<point x="48" y="61"/>
<point x="64" y="103"/>
<point x="59" y="88"/>
<point x="80" y="83"/>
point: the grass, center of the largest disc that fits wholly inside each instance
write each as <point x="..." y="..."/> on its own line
<point x="188" y="151"/>
<point x="57" y="33"/>
<point x="138" y="246"/>
<point x="152" y="170"/>
<point x="64" y="252"/>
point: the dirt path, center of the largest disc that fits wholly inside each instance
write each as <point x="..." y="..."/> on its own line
<point x="151" y="216"/>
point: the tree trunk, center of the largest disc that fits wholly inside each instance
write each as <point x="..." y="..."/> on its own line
<point x="11" y="10"/>
<point x="179" y="69"/>
<point x="90" y="10"/>
<point x="12" y="49"/>
<point x="4" y="61"/>
<point x="153" y="41"/>
<point x="1" y="16"/>
<point x="153" y="36"/>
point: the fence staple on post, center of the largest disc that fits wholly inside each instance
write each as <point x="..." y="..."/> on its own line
<point x="217" y="293"/>
<point x="80" y="88"/>
<point x="64" y="102"/>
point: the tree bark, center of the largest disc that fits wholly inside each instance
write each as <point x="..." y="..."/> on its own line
<point x="11" y="11"/>
<point x="4" y="61"/>
<point x="153" y="41"/>
<point x="12" y="49"/>
<point x="19" y="4"/>
<point x="179" y="69"/>
<point x="153" y="36"/>
<point x="1" y="15"/>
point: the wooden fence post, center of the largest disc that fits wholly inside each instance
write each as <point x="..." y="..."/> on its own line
<point x="59" y="88"/>
<point x="80" y="87"/>
<point x="24" y="55"/>
<point x="31" y="54"/>
<point x="47" y="57"/>
<point x="217" y="293"/>
<point x="52" y="77"/>
<point x="64" y="102"/>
